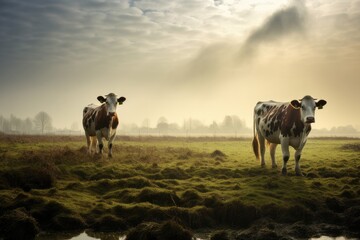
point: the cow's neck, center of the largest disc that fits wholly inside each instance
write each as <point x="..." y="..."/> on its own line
<point x="291" y="125"/>
<point x="105" y="118"/>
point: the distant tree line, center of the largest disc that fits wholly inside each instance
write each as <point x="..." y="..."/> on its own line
<point x="230" y="125"/>
<point x="40" y="124"/>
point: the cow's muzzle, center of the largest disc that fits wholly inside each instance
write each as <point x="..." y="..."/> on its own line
<point x="310" y="120"/>
<point x="111" y="114"/>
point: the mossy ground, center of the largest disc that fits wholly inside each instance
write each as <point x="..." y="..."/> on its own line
<point x="199" y="183"/>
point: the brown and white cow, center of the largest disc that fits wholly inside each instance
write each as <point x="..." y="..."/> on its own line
<point x="101" y="122"/>
<point x="287" y="124"/>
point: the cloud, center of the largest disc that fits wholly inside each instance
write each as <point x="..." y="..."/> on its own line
<point x="221" y="58"/>
<point x="282" y="23"/>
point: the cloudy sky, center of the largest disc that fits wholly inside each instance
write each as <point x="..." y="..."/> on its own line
<point x="202" y="59"/>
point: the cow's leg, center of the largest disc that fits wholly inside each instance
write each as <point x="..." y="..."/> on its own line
<point x="110" y="145"/>
<point x="286" y="154"/>
<point x="262" y="149"/>
<point x="297" y="162"/>
<point x="99" y="141"/>
<point x="88" y="142"/>
<point x="272" y="154"/>
<point x="93" y="144"/>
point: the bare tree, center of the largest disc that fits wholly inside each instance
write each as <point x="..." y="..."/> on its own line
<point x="43" y="121"/>
<point x="146" y="125"/>
<point x="162" y="125"/>
<point x="227" y="124"/>
<point x="214" y="128"/>
<point x="15" y="123"/>
<point x="28" y="125"/>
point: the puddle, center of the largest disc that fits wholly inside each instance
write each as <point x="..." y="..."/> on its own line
<point x="85" y="236"/>
<point x="81" y="236"/>
<point x="119" y="236"/>
<point x="332" y="238"/>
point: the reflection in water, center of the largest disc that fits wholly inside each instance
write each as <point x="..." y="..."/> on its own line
<point x="93" y="235"/>
<point x="107" y="236"/>
<point x="90" y="235"/>
<point x="332" y="238"/>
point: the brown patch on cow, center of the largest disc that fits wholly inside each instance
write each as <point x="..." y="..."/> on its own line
<point x="115" y="121"/>
<point x="100" y="118"/>
<point x="292" y="117"/>
<point x="105" y="121"/>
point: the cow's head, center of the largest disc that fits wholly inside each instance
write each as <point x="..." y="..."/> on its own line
<point x="111" y="101"/>
<point x="307" y="107"/>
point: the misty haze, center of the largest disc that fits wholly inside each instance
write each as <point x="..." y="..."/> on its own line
<point x="195" y="60"/>
<point x="197" y="119"/>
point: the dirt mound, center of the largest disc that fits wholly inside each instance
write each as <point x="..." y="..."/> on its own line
<point x="351" y="146"/>
<point x="109" y="223"/>
<point x="217" y="153"/>
<point x="220" y="235"/>
<point x="16" y="224"/>
<point x="236" y="214"/>
<point x="66" y="222"/>
<point x="156" y="231"/>
<point x="28" y="178"/>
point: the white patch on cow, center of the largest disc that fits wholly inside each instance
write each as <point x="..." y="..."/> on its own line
<point x="308" y="106"/>
<point x="111" y="103"/>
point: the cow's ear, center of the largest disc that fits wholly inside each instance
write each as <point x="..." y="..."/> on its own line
<point x="121" y="100"/>
<point x="101" y="99"/>
<point x="295" y="104"/>
<point x="321" y="103"/>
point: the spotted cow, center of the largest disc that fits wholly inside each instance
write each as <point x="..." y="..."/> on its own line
<point x="288" y="124"/>
<point x="101" y="122"/>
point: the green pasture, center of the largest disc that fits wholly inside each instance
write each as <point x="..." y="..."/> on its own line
<point x="196" y="182"/>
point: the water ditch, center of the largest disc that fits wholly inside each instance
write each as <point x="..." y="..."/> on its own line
<point x="89" y="235"/>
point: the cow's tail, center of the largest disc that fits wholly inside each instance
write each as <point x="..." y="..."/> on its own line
<point x="255" y="142"/>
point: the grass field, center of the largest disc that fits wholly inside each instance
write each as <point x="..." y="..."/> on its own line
<point x="167" y="185"/>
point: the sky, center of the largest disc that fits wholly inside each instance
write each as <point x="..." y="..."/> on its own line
<point x="180" y="59"/>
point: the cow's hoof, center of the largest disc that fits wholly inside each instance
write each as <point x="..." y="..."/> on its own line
<point x="299" y="174"/>
<point x="274" y="166"/>
<point x="109" y="156"/>
<point x="263" y="165"/>
<point x="284" y="171"/>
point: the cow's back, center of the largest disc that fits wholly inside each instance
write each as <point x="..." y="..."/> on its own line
<point x="89" y="115"/>
<point x="263" y="108"/>
<point x="268" y="118"/>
